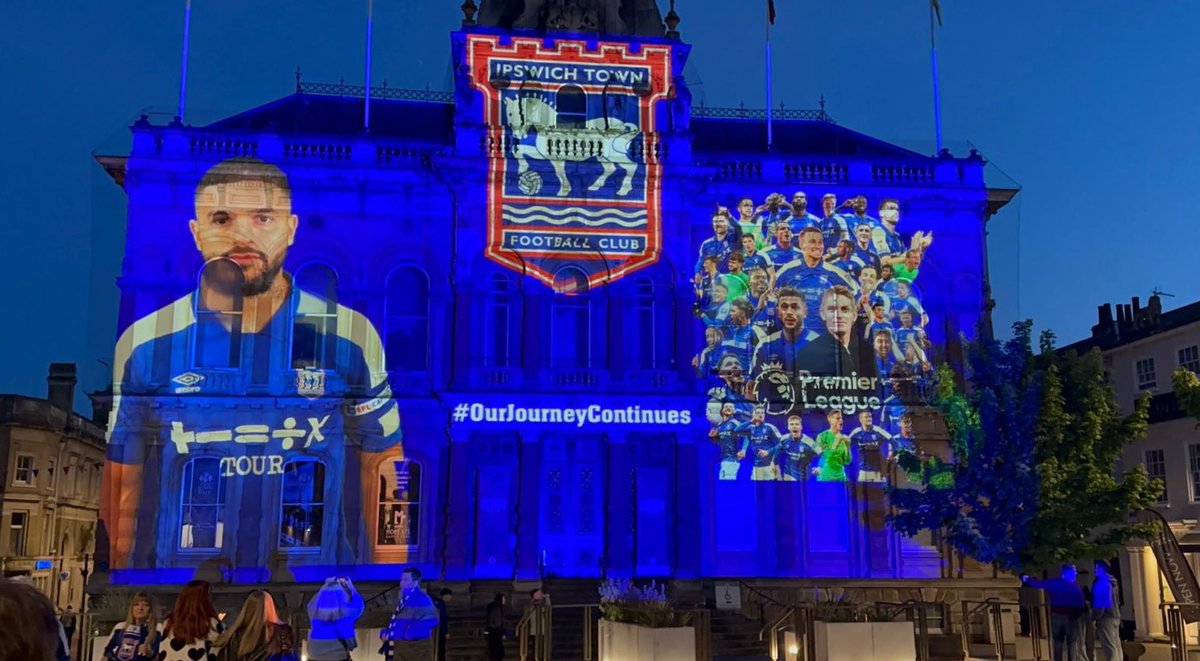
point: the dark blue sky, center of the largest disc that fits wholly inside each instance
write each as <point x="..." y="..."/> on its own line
<point x="1091" y="107"/>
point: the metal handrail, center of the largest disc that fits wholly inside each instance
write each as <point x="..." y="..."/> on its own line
<point x="918" y="613"/>
<point x="773" y="630"/>
<point x="544" y="641"/>
<point x="1176" y="627"/>
<point x="995" y="608"/>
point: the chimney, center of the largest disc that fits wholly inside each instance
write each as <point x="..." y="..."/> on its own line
<point x="1137" y="305"/>
<point x="61" y="386"/>
<point x="1154" y="305"/>
<point x="1104" y="321"/>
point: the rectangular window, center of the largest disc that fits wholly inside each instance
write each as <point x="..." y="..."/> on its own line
<point x="1194" y="470"/>
<point x="23" y="470"/>
<point x="1156" y="468"/>
<point x="399" y="503"/>
<point x="1189" y="359"/>
<point x="203" y="505"/>
<point x="1146" y="378"/>
<point x="16" y="532"/>
<point x="303" y="505"/>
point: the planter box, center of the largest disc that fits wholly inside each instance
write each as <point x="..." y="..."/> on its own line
<point x="864" y="641"/>
<point x="630" y="642"/>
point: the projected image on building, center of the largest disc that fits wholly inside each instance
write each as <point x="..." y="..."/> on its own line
<point x="247" y="412"/>
<point x="815" y="340"/>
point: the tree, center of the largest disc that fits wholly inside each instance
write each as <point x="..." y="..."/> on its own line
<point x="1083" y="513"/>
<point x="1034" y="441"/>
<point x="1187" y="391"/>
<point x="983" y="500"/>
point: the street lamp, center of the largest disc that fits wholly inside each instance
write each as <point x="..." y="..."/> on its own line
<point x="83" y="605"/>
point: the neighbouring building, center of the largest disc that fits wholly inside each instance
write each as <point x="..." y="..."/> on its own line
<point x="1142" y="348"/>
<point x="50" y="461"/>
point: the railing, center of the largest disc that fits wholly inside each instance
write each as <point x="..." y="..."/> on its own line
<point x="382" y="92"/>
<point x="916" y="612"/>
<point x="540" y="619"/>
<point x="799" y="621"/>
<point x="743" y="112"/>
<point x="993" y="610"/>
<point x="1176" y="627"/>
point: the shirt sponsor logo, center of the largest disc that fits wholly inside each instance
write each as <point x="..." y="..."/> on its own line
<point x="188" y="382"/>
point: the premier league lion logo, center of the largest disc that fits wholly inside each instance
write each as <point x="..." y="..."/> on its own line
<point x="576" y="177"/>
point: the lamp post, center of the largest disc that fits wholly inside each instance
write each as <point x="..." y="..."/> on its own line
<point x="85" y="624"/>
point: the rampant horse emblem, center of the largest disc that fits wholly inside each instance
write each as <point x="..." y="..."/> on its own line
<point x="575" y="169"/>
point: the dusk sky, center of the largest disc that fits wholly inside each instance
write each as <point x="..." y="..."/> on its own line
<point x="1090" y="107"/>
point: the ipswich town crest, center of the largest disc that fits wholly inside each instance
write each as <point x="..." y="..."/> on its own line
<point x="574" y="170"/>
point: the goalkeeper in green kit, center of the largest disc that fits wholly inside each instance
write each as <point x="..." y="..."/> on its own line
<point x="834" y="449"/>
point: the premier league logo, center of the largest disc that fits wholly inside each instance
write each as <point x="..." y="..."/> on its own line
<point x="574" y="180"/>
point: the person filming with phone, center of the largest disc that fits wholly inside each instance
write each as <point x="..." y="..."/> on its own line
<point x="333" y="611"/>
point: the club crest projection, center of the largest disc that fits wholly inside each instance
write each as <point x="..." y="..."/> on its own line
<point x="575" y="170"/>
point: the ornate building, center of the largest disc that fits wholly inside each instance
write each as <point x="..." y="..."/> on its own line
<point x="49" y="488"/>
<point x="485" y="366"/>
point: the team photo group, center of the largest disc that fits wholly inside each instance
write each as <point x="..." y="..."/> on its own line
<point x="814" y="328"/>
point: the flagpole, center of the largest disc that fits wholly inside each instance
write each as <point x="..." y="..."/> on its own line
<point x="937" y="102"/>
<point x="187" y="29"/>
<point x="367" y="79"/>
<point x="770" y="127"/>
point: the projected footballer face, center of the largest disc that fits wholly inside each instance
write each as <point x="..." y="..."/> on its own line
<point x="863" y="233"/>
<point x="812" y="244"/>
<point x="868" y="278"/>
<point x="783" y="235"/>
<point x="748" y="243"/>
<point x="758" y="415"/>
<point x="791" y="312"/>
<point x="835" y="421"/>
<point x="837" y="311"/>
<point x="883" y="344"/>
<point x="799" y="202"/>
<point x="746" y="207"/>
<point x="828" y="204"/>
<point x="859" y="204"/>
<point x="249" y="222"/>
<point x="864" y="419"/>
<point x="794" y="425"/>
<point x="889" y="213"/>
<point x="758" y="282"/>
<point x="720" y="224"/>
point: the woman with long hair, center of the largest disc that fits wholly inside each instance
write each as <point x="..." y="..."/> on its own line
<point x="136" y="637"/>
<point x="190" y="629"/>
<point x="257" y="633"/>
<point x="333" y="611"/>
<point x="495" y="630"/>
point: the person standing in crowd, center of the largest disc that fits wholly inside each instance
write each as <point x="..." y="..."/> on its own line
<point x="801" y="218"/>
<point x="32" y="631"/>
<point x="191" y="628"/>
<point x="494" y="627"/>
<point x="763" y="446"/>
<point x="1068" y="608"/>
<point x="797" y="451"/>
<point x="333" y="611"/>
<point x="834" y="227"/>
<point x="414" y="623"/>
<point x="68" y="623"/>
<point x="135" y="638"/>
<point x="251" y="635"/>
<point x="538" y="602"/>
<point x="748" y="222"/>
<point x="440" y="602"/>
<point x="731" y="445"/>
<point x="1106" y="613"/>
<point x="721" y="243"/>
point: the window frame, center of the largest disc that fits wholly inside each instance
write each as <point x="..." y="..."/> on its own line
<point x="1152" y="372"/>
<point x="24" y="534"/>
<point x="389" y="319"/>
<point x="571" y="118"/>
<point x="1194" y="471"/>
<point x="308" y="548"/>
<point x="578" y="303"/>
<point x="326" y="321"/>
<point x="1192" y="365"/>
<point x="1161" y="462"/>
<point x="222" y="495"/>
<point x="499" y="297"/>
<point x="17" y="469"/>
<point x="235" y="329"/>
<point x="417" y="503"/>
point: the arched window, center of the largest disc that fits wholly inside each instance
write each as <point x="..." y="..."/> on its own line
<point x="645" y="334"/>
<point x="217" y="333"/>
<point x="399" y="503"/>
<point x="571" y="106"/>
<point x="497" y="323"/>
<point x="571" y="320"/>
<point x="302" y="506"/>
<point x="202" y="504"/>
<point x="406" y="325"/>
<point x="314" y="333"/>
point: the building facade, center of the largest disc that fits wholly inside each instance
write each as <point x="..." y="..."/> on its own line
<point x="471" y="337"/>
<point x="49" y="489"/>
<point x="1142" y="348"/>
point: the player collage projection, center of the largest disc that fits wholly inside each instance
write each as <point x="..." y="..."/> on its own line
<point x="247" y="411"/>
<point x="814" y="339"/>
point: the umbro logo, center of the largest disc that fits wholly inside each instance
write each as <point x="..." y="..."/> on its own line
<point x="188" y="382"/>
